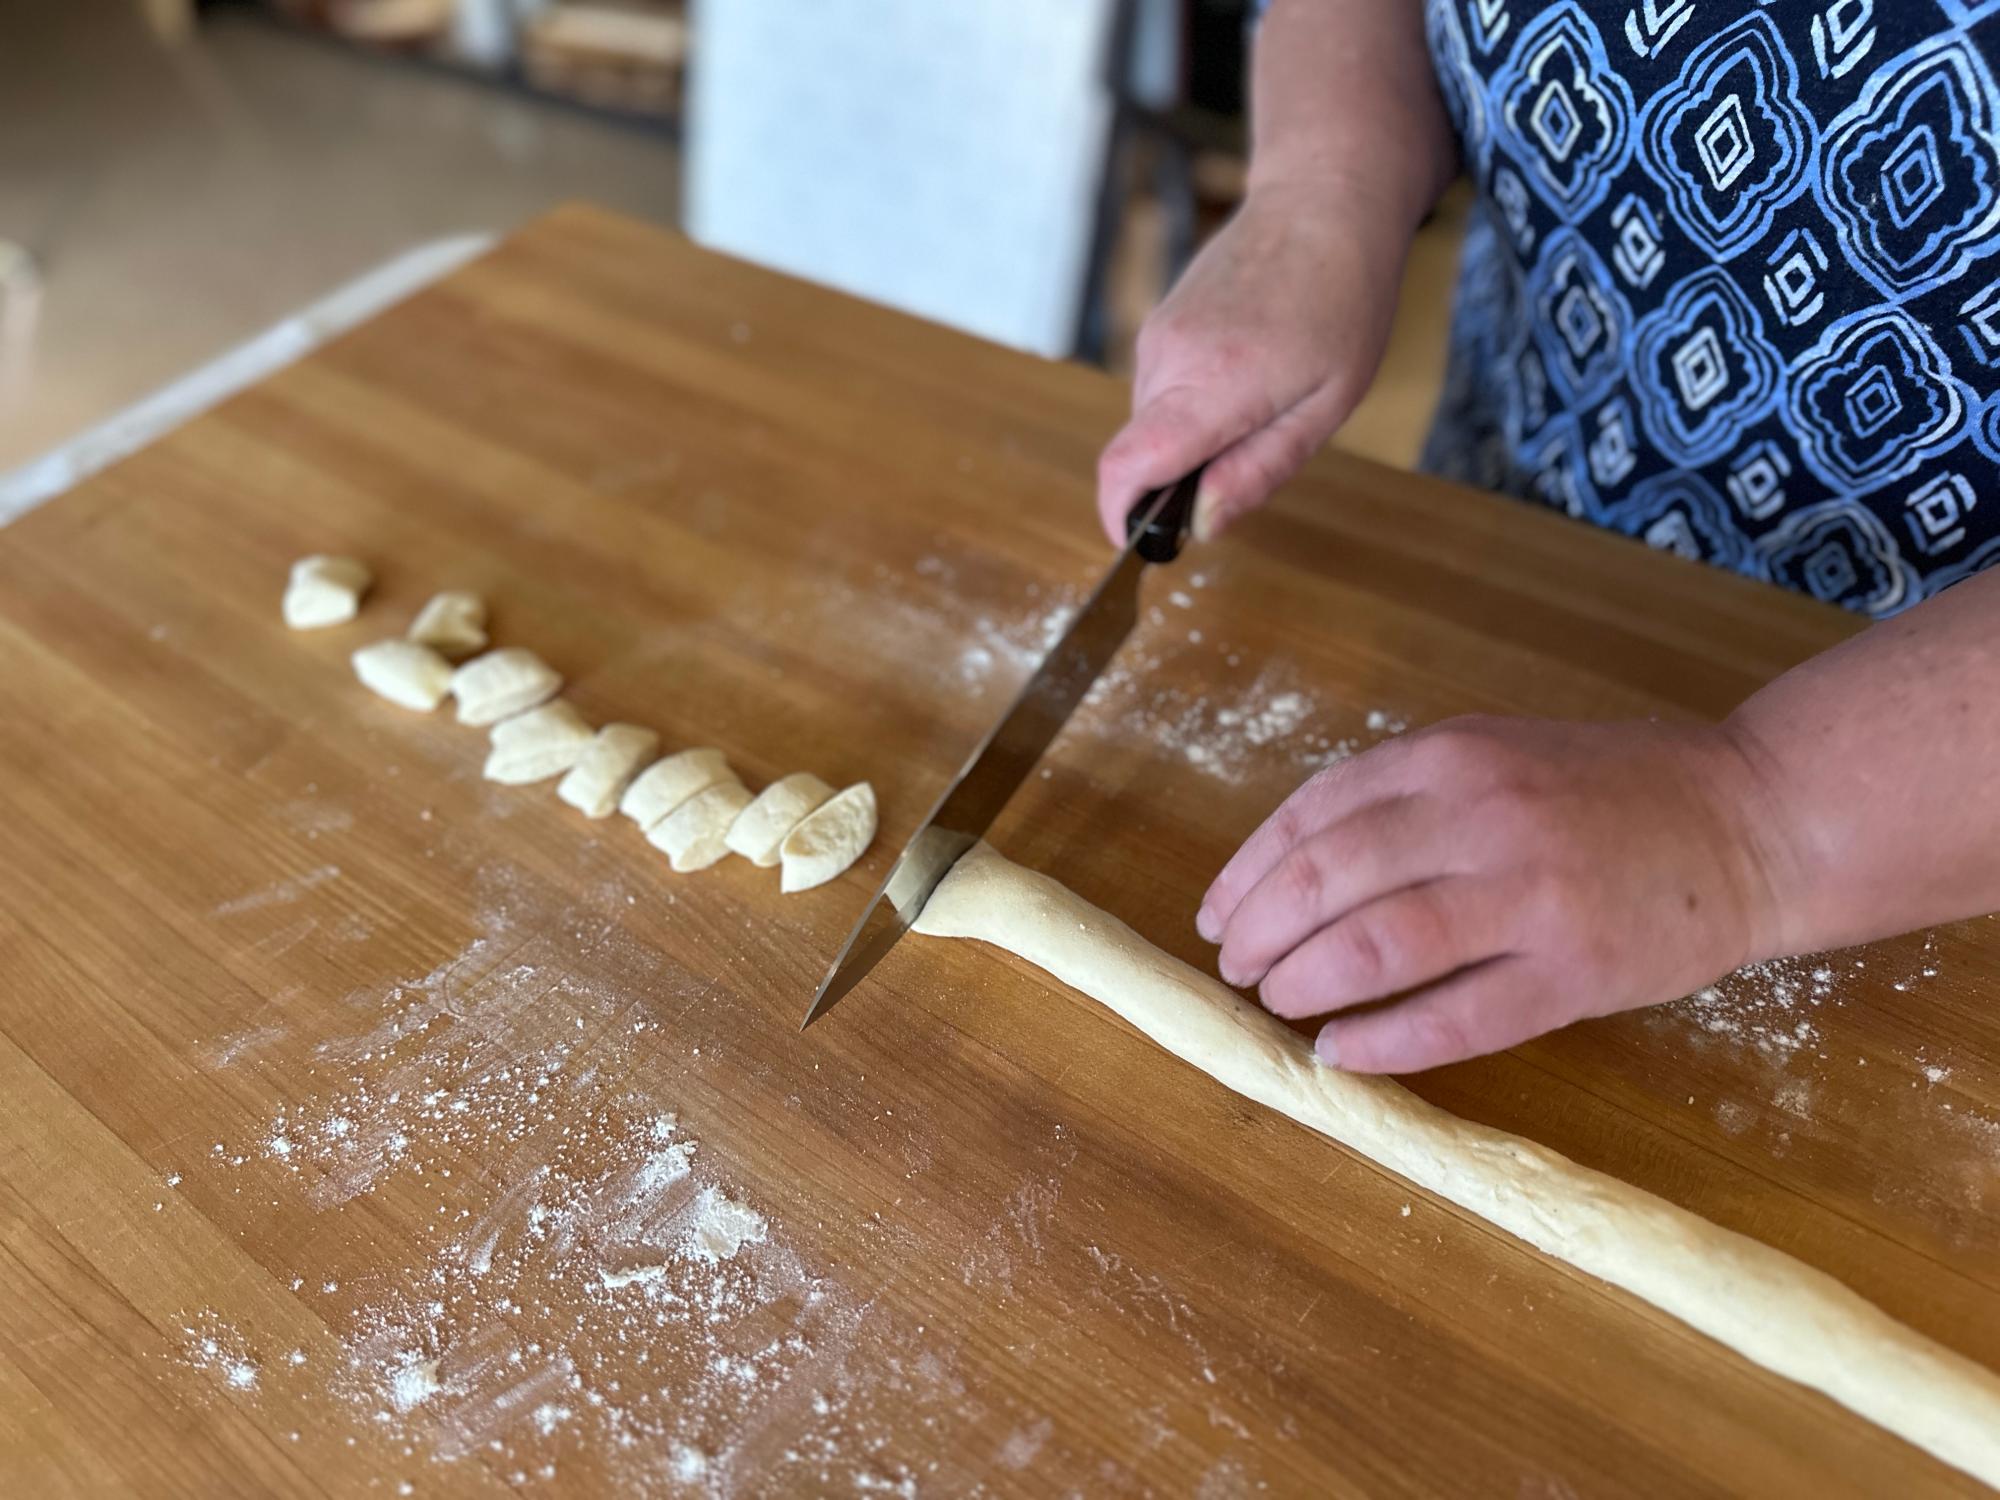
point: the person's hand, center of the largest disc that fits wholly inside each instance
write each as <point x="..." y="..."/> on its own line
<point x="1492" y="879"/>
<point x="1262" y="350"/>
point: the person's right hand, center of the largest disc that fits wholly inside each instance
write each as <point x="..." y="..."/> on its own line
<point x="1261" y="351"/>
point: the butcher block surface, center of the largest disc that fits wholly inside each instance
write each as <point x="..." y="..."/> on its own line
<point x="367" y="1128"/>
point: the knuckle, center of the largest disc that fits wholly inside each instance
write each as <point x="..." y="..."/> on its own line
<point x="1416" y="925"/>
<point x="1302" y="878"/>
<point x="1455" y="748"/>
<point x="1266" y="469"/>
<point x="1289" y="824"/>
<point x="1361" y="953"/>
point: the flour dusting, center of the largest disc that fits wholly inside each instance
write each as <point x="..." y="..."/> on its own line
<point x="279" y="893"/>
<point x="1766" y="1008"/>
<point x="588" y="1280"/>
<point x="211" y="1345"/>
<point x="1228" y="733"/>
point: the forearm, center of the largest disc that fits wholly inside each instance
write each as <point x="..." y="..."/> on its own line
<point x="1875" y="775"/>
<point x="1344" y="98"/>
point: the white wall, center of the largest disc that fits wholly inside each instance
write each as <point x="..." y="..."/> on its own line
<point x="942" y="156"/>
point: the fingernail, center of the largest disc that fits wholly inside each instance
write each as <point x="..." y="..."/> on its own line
<point x="1206" y="521"/>
<point x="1326" y="1047"/>
<point x="1207" y="925"/>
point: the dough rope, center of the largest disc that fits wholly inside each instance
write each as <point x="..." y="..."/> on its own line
<point x="1773" y="1310"/>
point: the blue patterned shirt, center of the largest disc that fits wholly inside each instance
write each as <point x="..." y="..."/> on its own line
<point x="1731" y="282"/>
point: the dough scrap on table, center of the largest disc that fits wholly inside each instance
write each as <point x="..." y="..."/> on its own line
<point x="501" y="684"/>
<point x="696" y="834"/>
<point x="537" y="744"/>
<point x="452" y="623"/>
<point x="325" y="591"/>
<point x="777" y="810"/>
<point x="606" y="768"/>
<point x="665" y="785"/>
<point x="404" y="672"/>
<point x="1771" y="1309"/>
<point x="828" y="839"/>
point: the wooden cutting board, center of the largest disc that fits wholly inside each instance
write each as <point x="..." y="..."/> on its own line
<point x="360" y="1121"/>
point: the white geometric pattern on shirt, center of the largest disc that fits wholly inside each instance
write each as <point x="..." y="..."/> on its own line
<point x="1733" y="288"/>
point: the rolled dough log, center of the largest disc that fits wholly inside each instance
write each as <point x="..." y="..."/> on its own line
<point x="779" y="808"/>
<point x="538" y="744"/>
<point x="405" y="673"/>
<point x="665" y="785"/>
<point x="696" y="834"/>
<point x="325" y="591"/>
<point x="452" y="624"/>
<point x="828" y="839"/>
<point x="594" y="784"/>
<point x="501" y="684"/>
<point x="1768" y="1307"/>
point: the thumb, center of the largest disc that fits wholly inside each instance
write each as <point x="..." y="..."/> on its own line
<point x="1172" y="433"/>
<point x="1247" y="473"/>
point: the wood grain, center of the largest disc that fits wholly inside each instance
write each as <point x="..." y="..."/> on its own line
<point x="1011" y="1246"/>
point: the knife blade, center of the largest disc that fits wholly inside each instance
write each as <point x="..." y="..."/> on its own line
<point x="1156" y="529"/>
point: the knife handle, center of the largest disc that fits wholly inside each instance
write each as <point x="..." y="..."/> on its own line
<point x="1158" y="523"/>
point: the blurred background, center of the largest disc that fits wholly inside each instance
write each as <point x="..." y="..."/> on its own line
<point x="180" y="178"/>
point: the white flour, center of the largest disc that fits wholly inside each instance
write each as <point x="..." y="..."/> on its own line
<point x="1766" y="1008"/>
<point x="582" y="1283"/>
<point x="1271" y="725"/>
<point x="941" y="640"/>
<point x="279" y="893"/>
<point x="214" y="1346"/>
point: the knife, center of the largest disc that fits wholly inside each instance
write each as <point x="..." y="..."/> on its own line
<point x="1155" y="530"/>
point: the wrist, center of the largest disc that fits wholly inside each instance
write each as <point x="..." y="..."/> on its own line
<point x="1746" y="785"/>
<point x="1384" y="205"/>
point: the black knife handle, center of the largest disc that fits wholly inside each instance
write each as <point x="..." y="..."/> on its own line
<point x="1158" y="523"/>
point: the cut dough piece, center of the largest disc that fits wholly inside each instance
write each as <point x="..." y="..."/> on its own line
<point x="776" y="812"/>
<point x="325" y="591"/>
<point x="452" y="624"/>
<point x="501" y="684"/>
<point x="696" y="834"/>
<point x="1766" y="1306"/>
<point x="829" y="839"/>
<point x="538" y="744"/>
<point x="404" y="672"/>
<point x="666" y="784"/>
<point x="606" y="768"/>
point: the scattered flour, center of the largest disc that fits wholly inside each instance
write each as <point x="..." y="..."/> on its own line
<point x="583" y="1284"/>
<point x="722" y="1226"/>
<point x="413" y="1382"/>
<point x="1765" y="1008"/>
<point x="1024" y="1444"/>
<point x="281" y="893"/>
<point x="213" y="1345"/>
<point x="1268" y="722"/>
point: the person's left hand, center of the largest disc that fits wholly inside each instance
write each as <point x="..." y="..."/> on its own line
<point x="1492" y="879"/>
